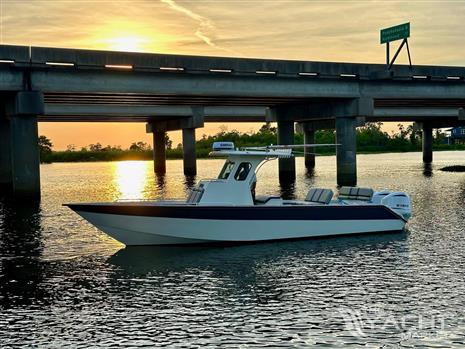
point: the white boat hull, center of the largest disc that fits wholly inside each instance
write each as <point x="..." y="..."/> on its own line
<point x="149" y="230"/>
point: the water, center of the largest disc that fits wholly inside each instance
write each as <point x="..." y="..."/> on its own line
<point x="65" y="284"/>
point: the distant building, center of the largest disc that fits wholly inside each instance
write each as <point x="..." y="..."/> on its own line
<point x="457" y="135"/>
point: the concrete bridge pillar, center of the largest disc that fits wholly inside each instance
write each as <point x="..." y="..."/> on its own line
<point x="159" y="151"/>
<point x="19" y="159"/>
<point x="188" y="125"/>
<point x="346" y="153"/>
<point x="286" y="137"/>
<point x="189" y="154"/>
<point x="427" y="143"/>
<point x="6" y="179"/>
<point x="309" y="153"/>
<point x="308" y="129"/>
<point x="25" y="155"/>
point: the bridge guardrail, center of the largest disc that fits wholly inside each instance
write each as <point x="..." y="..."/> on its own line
<point x="44" y="57"/>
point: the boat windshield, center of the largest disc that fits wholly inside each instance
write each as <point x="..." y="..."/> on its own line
<point x="226" y="171"/>
<point x="243" y="171"/>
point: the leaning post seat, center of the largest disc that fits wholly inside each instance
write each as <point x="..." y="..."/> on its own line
<point x="355" y="193"/>
<point x="320" y="196"/>
<point x="195" y="195"/>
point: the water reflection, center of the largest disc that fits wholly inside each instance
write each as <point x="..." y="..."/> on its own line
<point x="140" y="260"/>
<point x="189" y="182"/>
<point x="60" y="286"/>
<point x="21" y="247"/>
<point x="131" y="178"/>
<point x="310" y="173"/>
<point x="287" y="189"/>
<point x="160" y="181"/>
<point x="427" y="170"/>
<point x="261" y="273"/>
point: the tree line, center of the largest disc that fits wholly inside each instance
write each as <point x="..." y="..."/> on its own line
<point x="370" y="139"/>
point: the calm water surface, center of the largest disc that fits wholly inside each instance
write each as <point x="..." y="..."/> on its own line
<point x="65" y="284"/>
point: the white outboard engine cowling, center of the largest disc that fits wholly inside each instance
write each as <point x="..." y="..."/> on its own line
<point x="399" y="202"/>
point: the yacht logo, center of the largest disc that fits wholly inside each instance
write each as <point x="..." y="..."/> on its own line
<point x="364" y="322"/>
<point x="353" y="322"/>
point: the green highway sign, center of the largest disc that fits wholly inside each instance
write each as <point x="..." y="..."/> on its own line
<point x="397" y="32"/>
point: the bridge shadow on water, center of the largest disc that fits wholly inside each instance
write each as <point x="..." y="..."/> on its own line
<point x="21" y="247"/>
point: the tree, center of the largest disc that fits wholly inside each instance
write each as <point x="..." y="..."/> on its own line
<point x="267" y="128"/>
<point x="403" y="131"/>
<point x="372" y="135"/>
<point x="112" y="148"/>
<point x="45" y="149"/>
<point x="168" y="142"/>
<point x="415" y="134"/>
<point x="139" y="146"/>
<point x="70" y="147"/>
<point x="223" y="129"/>
<point x="45" y="145"/>
<point x="439" y="137"/>
<point x="95" y="147"/>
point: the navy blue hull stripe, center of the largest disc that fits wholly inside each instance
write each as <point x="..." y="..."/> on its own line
<point x="317" y="213"/>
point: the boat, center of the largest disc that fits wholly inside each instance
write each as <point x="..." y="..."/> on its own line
<point x="227" y="210"/>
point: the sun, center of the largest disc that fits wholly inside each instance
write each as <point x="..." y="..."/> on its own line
<point x="121" y="35"/>
<point x="127" y="43"/>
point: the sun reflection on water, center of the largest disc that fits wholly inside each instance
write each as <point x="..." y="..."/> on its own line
<point x="131" y="179"/>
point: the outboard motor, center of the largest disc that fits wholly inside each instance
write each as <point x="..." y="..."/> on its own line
<point x="399" y="202"/>
<point x="378" y="196"/>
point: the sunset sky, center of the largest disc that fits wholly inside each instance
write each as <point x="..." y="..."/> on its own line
<point x="299" y="29"/>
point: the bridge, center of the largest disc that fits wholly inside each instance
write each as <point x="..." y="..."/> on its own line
<point x="179" y="92"/>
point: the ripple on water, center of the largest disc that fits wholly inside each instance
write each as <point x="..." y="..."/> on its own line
<point x="63" y="283"/>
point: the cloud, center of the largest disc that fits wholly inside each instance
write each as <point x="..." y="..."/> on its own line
<point x="206" y="29"/>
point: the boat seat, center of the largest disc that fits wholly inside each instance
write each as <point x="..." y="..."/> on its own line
<point x="318" y="195"/>
<point x="262" y="199"/>
<point x="355" y="193"/>
<point x="195" y="195"/>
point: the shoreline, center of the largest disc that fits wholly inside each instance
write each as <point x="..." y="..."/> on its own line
<point x="147" y="156"/>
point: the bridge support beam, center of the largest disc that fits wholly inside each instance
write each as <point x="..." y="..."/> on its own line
<point x="309" y="153"/>
<point x="189" y="154"/>
<point x="188" y="125"/>
<point x="25" y="162"/>
<point x="6" y="179"/>
<point x="346" y="153"/>
<point x="285" y="137"/>
<point x="20" y="139"/>
<point x="427" y="143"/>
<point x="308" y="129"/>
<point x="283" y="116"/>
<point x="159" y="151"/>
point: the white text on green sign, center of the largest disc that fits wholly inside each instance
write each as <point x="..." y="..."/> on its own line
<point x="397" y="32"/>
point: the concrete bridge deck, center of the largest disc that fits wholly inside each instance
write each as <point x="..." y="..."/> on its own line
<point x="182" y="92"/>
